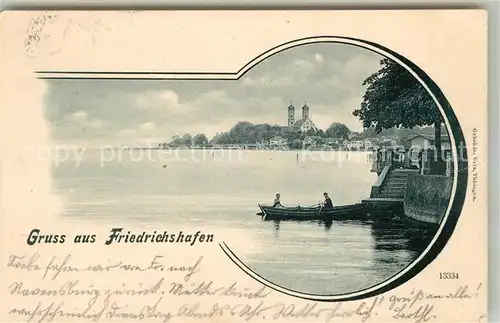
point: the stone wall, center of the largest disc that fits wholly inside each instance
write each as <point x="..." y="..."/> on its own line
<point x="427" y="197"/>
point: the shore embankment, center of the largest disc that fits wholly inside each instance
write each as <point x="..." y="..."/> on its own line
<point x="427" y="197"/>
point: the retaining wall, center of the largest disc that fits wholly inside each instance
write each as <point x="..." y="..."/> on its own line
<point x="427" y="197"/>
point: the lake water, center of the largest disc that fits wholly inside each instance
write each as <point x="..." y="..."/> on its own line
<point x="199" y="189"/>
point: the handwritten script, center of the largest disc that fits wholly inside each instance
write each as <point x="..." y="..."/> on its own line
<point x="54" y="288"/>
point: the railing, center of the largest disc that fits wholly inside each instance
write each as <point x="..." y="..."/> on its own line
<point x="424" y="160"/>
<point x="378" y="184"/>
<point x="380" y="160"/>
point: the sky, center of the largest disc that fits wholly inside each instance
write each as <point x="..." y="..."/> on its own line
<point x="327" y="76"/>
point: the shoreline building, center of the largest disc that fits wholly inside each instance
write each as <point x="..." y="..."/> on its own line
<point x="303" y="124"/>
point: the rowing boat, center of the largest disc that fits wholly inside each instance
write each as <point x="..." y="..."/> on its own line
<point x="312" y="213"/>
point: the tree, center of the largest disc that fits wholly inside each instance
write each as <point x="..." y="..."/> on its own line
<point x="368" y="133"/>
<point x="264" y="132"/>
<point x="394" y="98"/>
<point x="176" y="141"/>
<point x="338" y="130"/>
<point x="295" y="144"/>
<point x="222" y="138"/>
<point x="311" y="132"/>
<point x="243" y="133"/>
<point x="200" y="140"/>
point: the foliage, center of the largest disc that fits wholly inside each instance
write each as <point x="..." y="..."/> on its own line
<point x="185" y="140"/>
<point x="295" y="144"/>
<point x="394" y="98"/>
<point x="337" y="130"/>
<point x="241" y="132"/>
<point x="176" y="141"/>
<point x="200" y="140"/>
<point x="222" y="138"/>
<point x="293" y="136"/>
<point x="245" y="132"/>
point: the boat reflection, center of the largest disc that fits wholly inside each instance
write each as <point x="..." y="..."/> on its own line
<point x="276" y="225"/>
<point x="327" y="224"/>
<point x="389" y="234"/>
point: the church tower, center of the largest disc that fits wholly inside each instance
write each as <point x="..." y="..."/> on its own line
<point x="305" y="111"/>
<point x="291" y="115"/>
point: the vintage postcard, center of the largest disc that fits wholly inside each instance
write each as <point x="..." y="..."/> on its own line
<point x="243" y="166"/>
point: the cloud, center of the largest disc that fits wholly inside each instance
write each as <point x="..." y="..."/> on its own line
<point x="249" y="81"/>
<point x="303" y="64"/>
<point x="95" y="124"/>
<point x="144" y="129"/>
<point x="269" y="81"/>
<point x="128" y="132"/>
<point x="212" y="96"/>
<point x="78" y="117"/>
<point x="328" y="76"/>
<point x="148" y="126"/>
<point x="144" y="134"/>
<point x="215" y="111"/>
<point x="169" y="97"/>
<point x="358" y="66"/>
<point x="81" y="119"/>
<point x="159" y="100"/>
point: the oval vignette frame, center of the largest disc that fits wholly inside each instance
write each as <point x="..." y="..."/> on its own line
<point x="459" y="187"/>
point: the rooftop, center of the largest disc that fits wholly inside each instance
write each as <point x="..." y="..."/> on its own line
<point x="428" y="137"/>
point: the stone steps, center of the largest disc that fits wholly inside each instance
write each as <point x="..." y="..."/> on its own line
<point x="395" y="184"/>
<point x="392" y="190"/>
<point x="391" y="195"/>
<point x="396" y="179"/>
<point x="402" y="175"/>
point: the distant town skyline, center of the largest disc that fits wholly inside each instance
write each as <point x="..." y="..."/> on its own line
<point x="327" y="76"/>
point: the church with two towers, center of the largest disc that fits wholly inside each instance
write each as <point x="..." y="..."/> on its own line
<point x="303" y="124"/>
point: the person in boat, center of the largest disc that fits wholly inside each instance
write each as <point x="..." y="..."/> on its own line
<point x="277" y="201"/>
<point x="328" y="204"/>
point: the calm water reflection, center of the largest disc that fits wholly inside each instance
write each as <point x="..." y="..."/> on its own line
<point x="333" y="257"/>
<point x="315" y="257"/>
